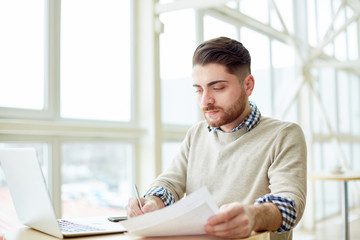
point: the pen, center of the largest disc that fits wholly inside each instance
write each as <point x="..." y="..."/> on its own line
<point x="137" y="196"/>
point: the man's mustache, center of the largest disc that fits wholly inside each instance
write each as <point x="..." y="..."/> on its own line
<point x="211" y="108"/>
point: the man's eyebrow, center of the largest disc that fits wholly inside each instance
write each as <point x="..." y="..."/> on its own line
<point x="211" y="83"/>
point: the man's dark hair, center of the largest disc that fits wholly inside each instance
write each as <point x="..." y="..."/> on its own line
<point x="225" y="51"/>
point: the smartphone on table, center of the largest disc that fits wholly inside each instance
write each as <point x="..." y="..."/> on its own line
<point x="117" y="219"/>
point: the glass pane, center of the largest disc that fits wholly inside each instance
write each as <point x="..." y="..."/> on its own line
<point x="22" y="54"/>
<point x="214" y="27"/>
<point x="356" y="167"/>
<point x="169" y="150"/>
<point x="284" y="70"/>
<point x="330" y="159"/>
<point x="258" y="46"/>
<point x="8" y="216"/>
<point x="356" y="156"/>
<point x="95" y="59"/>
<point x="285" y="8"/>
<point x="233" y="4"/>
<point x="329" y="49"/>
<point x="317" y="164"/>
<point x="324" y="17"/>
<point x="339" y="44"/>
<point x="96" y="178"/>
<point x="318" y="125"/>
<point x="178" y="100"/>
<point x="344" y="104"/>
<point x="355" y="103"/>
<point x="328" y="97"/>
<point x="292" y="114"/>
<point x="252" y="8"/>
<point x="312" y="20"/>
<point x="319" y="203"/>
<point x="327" y="193"/>
<point x="331" y="197"/>
<point x="346" y="149"/>
<point x="352" y="39"/>
<point x="175" y="55"/>
<point x="341" y="17"/>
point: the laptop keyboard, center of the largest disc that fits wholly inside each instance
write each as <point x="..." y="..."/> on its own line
<point x="71" y="227"/>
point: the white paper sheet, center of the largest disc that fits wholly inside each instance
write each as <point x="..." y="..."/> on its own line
<point x="186" y="217"/>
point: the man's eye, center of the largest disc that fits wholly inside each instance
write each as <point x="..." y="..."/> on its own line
<point x="198" y="90"/>
<point x="219" y="88"/>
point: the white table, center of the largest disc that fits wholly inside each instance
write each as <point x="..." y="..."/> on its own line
<point x="26" y="233"/>
<point x="345" y="178"/>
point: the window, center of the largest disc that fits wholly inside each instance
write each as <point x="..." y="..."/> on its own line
<point x="284" y="77"/>
<point x="214" y="27"/>
<point x="66" y="89"/>
<point x="286" y="12"/>
<point x="95" y="60"/>
<point x="96" y="178"/>
<point x="334" y="118"/>
<point x="169" y="150"/>
<point x="252" y="9"/>
<point x="22" y="57"/>
<point x="178" y="100"/>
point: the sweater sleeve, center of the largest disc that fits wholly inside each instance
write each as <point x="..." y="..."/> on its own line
<point x="287" y="173"/>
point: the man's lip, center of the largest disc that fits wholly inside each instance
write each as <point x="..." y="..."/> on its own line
<point x="212" y="112"/>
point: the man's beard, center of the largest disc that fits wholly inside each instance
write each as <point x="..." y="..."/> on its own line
<point x="229" y="115"/>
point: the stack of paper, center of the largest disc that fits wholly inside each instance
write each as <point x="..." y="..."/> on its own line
<point x="186" y="217"/>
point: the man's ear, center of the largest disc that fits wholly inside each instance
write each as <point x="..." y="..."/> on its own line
<point x="249" y="83"/>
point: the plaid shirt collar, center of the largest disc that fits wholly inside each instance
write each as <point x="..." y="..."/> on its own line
<point x="251" y="121"/>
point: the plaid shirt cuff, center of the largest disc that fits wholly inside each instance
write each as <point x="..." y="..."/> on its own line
<point x="286" y="207"/>
<point x="162" y="193"/>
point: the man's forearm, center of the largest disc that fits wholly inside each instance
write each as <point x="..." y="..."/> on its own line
<point x="267" y="216"/>
<point x="156" y="200"/>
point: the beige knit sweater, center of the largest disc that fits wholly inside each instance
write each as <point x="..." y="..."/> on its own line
<point x="241" y="166"/>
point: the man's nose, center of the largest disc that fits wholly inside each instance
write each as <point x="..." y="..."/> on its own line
<point x="207" y="99"/>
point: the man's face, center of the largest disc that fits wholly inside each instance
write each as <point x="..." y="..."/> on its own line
<point x="222" y="98"/>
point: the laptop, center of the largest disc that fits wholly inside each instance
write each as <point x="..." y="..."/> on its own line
<point x="32" y="201"/>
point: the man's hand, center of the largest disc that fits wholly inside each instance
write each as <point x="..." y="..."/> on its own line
<point x="235" y="220"/>
<point x="149" y="204"/>
<point x="232" y="221"/>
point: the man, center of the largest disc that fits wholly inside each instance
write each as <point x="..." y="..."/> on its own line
<point x="253" y="166"/>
